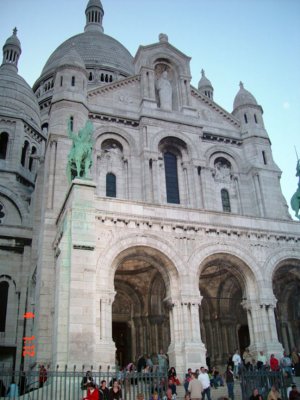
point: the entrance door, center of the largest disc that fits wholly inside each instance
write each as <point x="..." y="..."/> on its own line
<point x="121" y="333"/>
<point x="244" y="338"/>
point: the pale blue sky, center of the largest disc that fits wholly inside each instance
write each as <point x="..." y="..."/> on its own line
<point x="255" y="41"/>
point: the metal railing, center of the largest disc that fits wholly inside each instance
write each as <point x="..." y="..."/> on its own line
<point x="66" y="384"/>
<point x="263" y="380"/>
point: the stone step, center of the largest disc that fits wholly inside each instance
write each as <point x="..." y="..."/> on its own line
<point x="221" y="391"/>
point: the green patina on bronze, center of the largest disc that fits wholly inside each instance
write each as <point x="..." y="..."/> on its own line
<point x="295" y="200"/>
<point x="80" y="156"/>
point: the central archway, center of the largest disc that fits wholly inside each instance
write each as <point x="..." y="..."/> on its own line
<point x="140" y="315"/>
<point x="224" y="325"/>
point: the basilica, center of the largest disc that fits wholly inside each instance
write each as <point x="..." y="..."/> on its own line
<point x="176" y="235"/>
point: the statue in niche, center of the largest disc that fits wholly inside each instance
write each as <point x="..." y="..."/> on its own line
<point x="80" y="156"/>
<point x="164" y="89"/>
<point x="222" y="170"/>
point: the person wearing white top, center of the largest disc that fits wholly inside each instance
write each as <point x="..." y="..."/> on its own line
<point x="236" y="358"/>
<point x="205" y="381"/>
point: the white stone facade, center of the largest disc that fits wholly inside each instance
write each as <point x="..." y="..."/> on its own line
<point x="192" y="249"/>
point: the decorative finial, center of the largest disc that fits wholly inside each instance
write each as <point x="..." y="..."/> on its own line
<point x="202" y="72"/>
<point x="163" y="38"/>
<point x="241" y="85"/>
<point x="15" y="30"/>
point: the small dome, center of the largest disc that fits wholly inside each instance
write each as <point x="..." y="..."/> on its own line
<point x="17" y="99"/>
<point x="72" y="59"/>
<point x="204" y="82"/>
<point x="243" y="98"/>
<point x="94" y="3"/>
<point x="13" y="40"/>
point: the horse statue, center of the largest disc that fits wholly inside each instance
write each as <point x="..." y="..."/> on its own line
<point x="295" y="200"/>
<point x="80" y="156"/>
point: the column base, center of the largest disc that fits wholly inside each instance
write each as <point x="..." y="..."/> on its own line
<point x="187" y="355"/>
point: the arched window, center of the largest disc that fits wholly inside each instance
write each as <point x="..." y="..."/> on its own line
<point x="225" y="200"/>
<point x="73" y="81"/>
<point x="90" y="76"/>
<point x="255" y="118"/>
<point x="33" y="152"/>
<point x="245" y="118"/>
<point x="172" y="188"/>
<point x="111" y="187"/>
<point x="24" y="152"/>
<point x="71" y="123"/>
<point x="3" y="145"/>
<point x="61" y="80"/>
<point x="3" y="304"/>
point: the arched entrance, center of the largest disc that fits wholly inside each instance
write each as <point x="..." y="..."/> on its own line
<point x="140" y="318"/>
<point x="224" y="325"/>
<point x="286" y="287"/>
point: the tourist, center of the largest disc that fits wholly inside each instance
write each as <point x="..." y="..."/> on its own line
<point x="169" y="395"/>
<point x="294" y="393"/>
<point x="255" y="395"/>
<point x="274" y="394"/>
<point x="247" y="358"/>
<point x="187" y="379"/>
<point x="13" y="390"/>
<point x="216" y="379"/>
<point x="103" y="391"/>
<point x="86" y="380"/>
<point x="205" y="382"/>
<point x="236" y="359"/>
<point x="155" y="396"/>
<point x="296" y="361"/>
<point x="195" y="388"/>
<point x="42" y="376"/>
<point x="261" y="360"/>
<point x="274" y="363"/>
<point x="115" y="392"/>
<point x="92" y="392"/>
<point x="286" y="364"/>
<point x="229" y="377"/>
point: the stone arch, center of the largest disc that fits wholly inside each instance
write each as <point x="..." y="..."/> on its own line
<point x="115" y="160"/>
<point x="173" y="265"/>
<point x="278" y="258"/>
<point x="285" y="284"/>
<point x="225" y="282"/>
<point x="136" y="262"/>
<point x="171" y="57"/>
<point x="11" y="197"/>
<point x="221" y="151"/>
<point x="121" y="135"/>
<point x="159" y="136"/>
<point x="250" y="274"/>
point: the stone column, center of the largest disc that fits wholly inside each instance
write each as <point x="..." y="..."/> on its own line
<point x="238" y="193"/>
<point x="186" y="349"/>
<point x="52" y="165"/>
<point x="259" y="197"/>
<point x="263" y="329"/>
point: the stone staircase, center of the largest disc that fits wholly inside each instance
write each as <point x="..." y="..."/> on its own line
<point x="221" y="391"/>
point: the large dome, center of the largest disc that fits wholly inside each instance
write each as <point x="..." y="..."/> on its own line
<point x="97" y="50"/>
<point x="17" y="98"/>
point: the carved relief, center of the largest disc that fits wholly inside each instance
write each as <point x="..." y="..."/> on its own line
<point x="222" y="171"/>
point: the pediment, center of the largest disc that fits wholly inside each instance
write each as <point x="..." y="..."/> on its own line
<point x="211" y="113"/>
<point x="119" y="95"/>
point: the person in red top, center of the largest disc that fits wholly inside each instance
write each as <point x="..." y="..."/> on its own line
<point x="274" y="363"/>
<point x="92" y="392"/>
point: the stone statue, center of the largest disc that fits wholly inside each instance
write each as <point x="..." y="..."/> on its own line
<point x="295" y="200"/>
<point x="80" y="156"/>
<point x="164" y="89"/>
